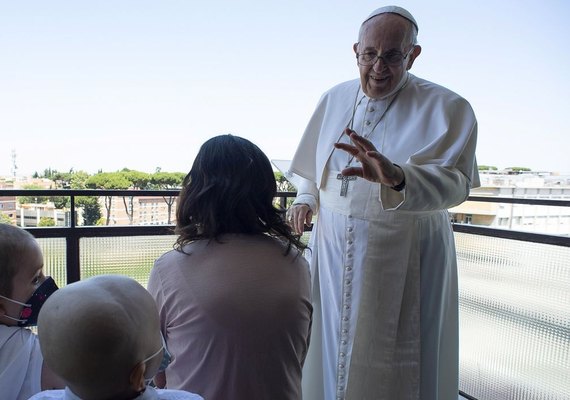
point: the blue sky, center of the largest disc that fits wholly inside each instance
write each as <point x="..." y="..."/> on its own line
<point x="142" y="84"/>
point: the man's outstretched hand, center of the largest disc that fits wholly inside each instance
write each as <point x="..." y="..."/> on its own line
<point x="375" y="167"/>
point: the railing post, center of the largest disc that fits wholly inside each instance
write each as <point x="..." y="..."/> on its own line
<point x="72" y="247"/>
<point x="72" y="258"/>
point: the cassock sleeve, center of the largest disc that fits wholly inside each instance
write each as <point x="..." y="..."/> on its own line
<point x="304" y="160"/>
<point x="307" y="193"/>
<point x="441" y="174"/>
<point x="304" y="163"/>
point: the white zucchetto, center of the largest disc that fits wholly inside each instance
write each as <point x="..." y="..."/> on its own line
<point x="394" y="10"/>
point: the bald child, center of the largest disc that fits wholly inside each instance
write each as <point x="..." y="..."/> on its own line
<point x="102" y="336"/>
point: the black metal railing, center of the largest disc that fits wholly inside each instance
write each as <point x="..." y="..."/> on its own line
<point x="74" y="233"/>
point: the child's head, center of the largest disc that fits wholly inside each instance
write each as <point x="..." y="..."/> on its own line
<point x="102" y="336"/>
<point x="21" y="274"/>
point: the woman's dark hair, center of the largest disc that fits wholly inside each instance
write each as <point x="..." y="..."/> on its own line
<point x="230" y="189"/>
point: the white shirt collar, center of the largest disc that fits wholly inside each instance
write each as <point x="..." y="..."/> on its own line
<point x="149" y="394"/>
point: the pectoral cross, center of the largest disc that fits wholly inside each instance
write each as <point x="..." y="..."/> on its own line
<point x="344" y="184"/>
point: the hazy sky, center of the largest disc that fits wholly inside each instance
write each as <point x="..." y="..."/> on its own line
<point x="142" y="84"/>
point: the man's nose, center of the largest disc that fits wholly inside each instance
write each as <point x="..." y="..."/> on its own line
<point x="379" y="64"/>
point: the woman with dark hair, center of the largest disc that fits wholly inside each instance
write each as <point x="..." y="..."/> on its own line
<point x="230" y="189"/>
<point x="234" y="294"/>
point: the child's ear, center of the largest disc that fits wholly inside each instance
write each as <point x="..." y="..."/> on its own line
<point x="136" y="379"/>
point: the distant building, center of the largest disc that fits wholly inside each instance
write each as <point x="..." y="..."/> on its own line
<point x="30" y="214"/>
<point x="8" y="203"/>
<point x="127" y="210"/>
<point x="520" y="217"/>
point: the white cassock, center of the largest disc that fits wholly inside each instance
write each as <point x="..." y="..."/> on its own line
<point x="20" y="363"/>
<point x="383" y="262"/>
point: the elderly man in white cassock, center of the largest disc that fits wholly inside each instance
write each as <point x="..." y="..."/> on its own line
<point x="382" y="159"/>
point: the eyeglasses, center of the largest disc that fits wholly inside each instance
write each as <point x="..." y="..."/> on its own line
<point x="392" y="57"/>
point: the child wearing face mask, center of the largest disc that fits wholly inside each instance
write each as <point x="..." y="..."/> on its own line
<point x="102" y="336"/>
<point x="23" y="289"/>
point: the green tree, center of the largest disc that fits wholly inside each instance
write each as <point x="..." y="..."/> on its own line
<point x="167" y="180"/>
<point x="487" y="168"/>
<point x="283" y="185"/>
<point x="60" y="202"/>
<point x="46" y="221"/>
<point x="108" y="180"/>
<point x="33" y="199"/>
<point x="138" y="179"/>
<point x="78" y="179"/>
<point x="60" y="181"/>
<point x="73" y="180"/>
<point x="519" y="169"/>
<point x="91" y="209"/>
<point x="4" y="219"/>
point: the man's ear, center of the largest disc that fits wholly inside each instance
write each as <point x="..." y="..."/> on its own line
<point x="415" y="52"/>
<point x="355" y="48"/>
<point x="136" y="379"/>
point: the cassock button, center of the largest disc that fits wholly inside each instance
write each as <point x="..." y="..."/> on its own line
<point x="371" y="109"/>
<point x="367" y="123"/>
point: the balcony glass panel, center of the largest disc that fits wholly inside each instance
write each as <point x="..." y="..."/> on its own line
<point x="133" y="256"/>
<point x="514" y="318"/>
<point x="55" y="264"/>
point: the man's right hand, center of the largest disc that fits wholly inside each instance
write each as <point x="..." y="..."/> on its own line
<point x="299" y="215"/>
